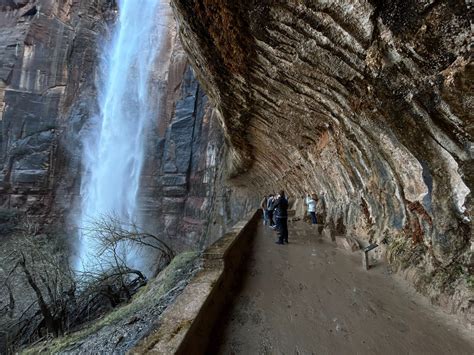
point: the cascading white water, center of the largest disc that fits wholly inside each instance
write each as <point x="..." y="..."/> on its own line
<point x="114" y="147"/>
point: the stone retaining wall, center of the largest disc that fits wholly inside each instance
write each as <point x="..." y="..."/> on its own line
<point x="185" y="326"/>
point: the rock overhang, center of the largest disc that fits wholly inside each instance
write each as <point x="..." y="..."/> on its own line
<point x="365" y="101"/>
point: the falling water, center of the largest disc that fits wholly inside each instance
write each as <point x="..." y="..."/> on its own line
<point x="114" y="148"/>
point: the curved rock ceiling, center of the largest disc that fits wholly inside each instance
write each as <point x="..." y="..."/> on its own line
<point x="370" y="102"/>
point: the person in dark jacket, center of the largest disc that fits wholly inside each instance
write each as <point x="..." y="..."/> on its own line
<point x="281" y="216"/>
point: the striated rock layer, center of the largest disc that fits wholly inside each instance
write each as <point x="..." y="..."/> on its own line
<point x="367" y="102"/>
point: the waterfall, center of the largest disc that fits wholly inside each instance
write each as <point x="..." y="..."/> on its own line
<point x="114" y="147"/>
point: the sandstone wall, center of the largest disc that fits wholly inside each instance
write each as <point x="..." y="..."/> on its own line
<point x="185" y="196"/>
<point x="368" y="103"/>
<point x="47" y="60"/>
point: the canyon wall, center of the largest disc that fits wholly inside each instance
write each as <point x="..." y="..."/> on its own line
<point x="49" y="54"/>
<point x="185" y="197"/>
<point x="47" y="57"/>
<point x="367" y="103"/>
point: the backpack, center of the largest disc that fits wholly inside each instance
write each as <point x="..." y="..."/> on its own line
<point x="283" y="203"/>
<point x="281" y="207"/>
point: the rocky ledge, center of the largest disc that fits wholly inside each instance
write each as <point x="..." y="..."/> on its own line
<point x="368" y="102"/>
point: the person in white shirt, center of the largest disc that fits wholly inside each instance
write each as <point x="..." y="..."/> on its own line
<point x="311" y="201"/>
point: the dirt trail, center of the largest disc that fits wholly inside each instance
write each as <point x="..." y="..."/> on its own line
<point x="310" y="298"/>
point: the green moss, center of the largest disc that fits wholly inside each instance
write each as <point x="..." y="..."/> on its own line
<point x="148" y="295"/>
<point x="470" y="281"/>
<point x="403" y="253"/>
<point x="445" y="278"/>
<point x="421" y="284"/>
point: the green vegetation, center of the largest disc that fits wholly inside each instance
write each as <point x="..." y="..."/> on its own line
<point x="403" y="253"/>
<point x="470" y="281"/>
<point x="445" y="278"/>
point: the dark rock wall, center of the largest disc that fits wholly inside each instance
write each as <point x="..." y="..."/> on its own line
<point x="47" y="60"/>
<point x="191" y="200"/>
<point x="367" y="103"/>
<point x="184" y="195"/>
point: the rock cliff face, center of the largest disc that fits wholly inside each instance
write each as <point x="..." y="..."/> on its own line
<point x="49" y="51"/>
<point x="47" y="61"/>
<point x="184" y="195"/>
<point x="368" y="102"/>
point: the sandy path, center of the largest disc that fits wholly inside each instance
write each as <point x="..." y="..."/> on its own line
<point x="310" y="298"/>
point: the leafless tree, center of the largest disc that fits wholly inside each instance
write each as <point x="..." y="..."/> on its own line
<point x="35" y="263"/>
<point x="113" y="236"/>
<point x="63" y="298"/>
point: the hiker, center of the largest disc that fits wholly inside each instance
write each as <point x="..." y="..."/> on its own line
<point x="270" y="209"/>
<point x="311" y="201"/>
<point x="263" y="206"/>
<point x="281" y="216"/>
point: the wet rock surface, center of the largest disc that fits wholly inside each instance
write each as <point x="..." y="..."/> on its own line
<point x="184" y="192"/>
<point x="310" y="297"/>
<point x="367" y="103"/>
<point x="47" y="55"/>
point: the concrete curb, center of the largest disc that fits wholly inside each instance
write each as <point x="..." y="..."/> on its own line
<point x="186" y="326"/>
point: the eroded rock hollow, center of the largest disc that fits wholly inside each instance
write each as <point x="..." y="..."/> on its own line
<point x="367" y="103"/>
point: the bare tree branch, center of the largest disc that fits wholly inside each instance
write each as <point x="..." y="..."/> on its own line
<point x="65" y="298"/>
